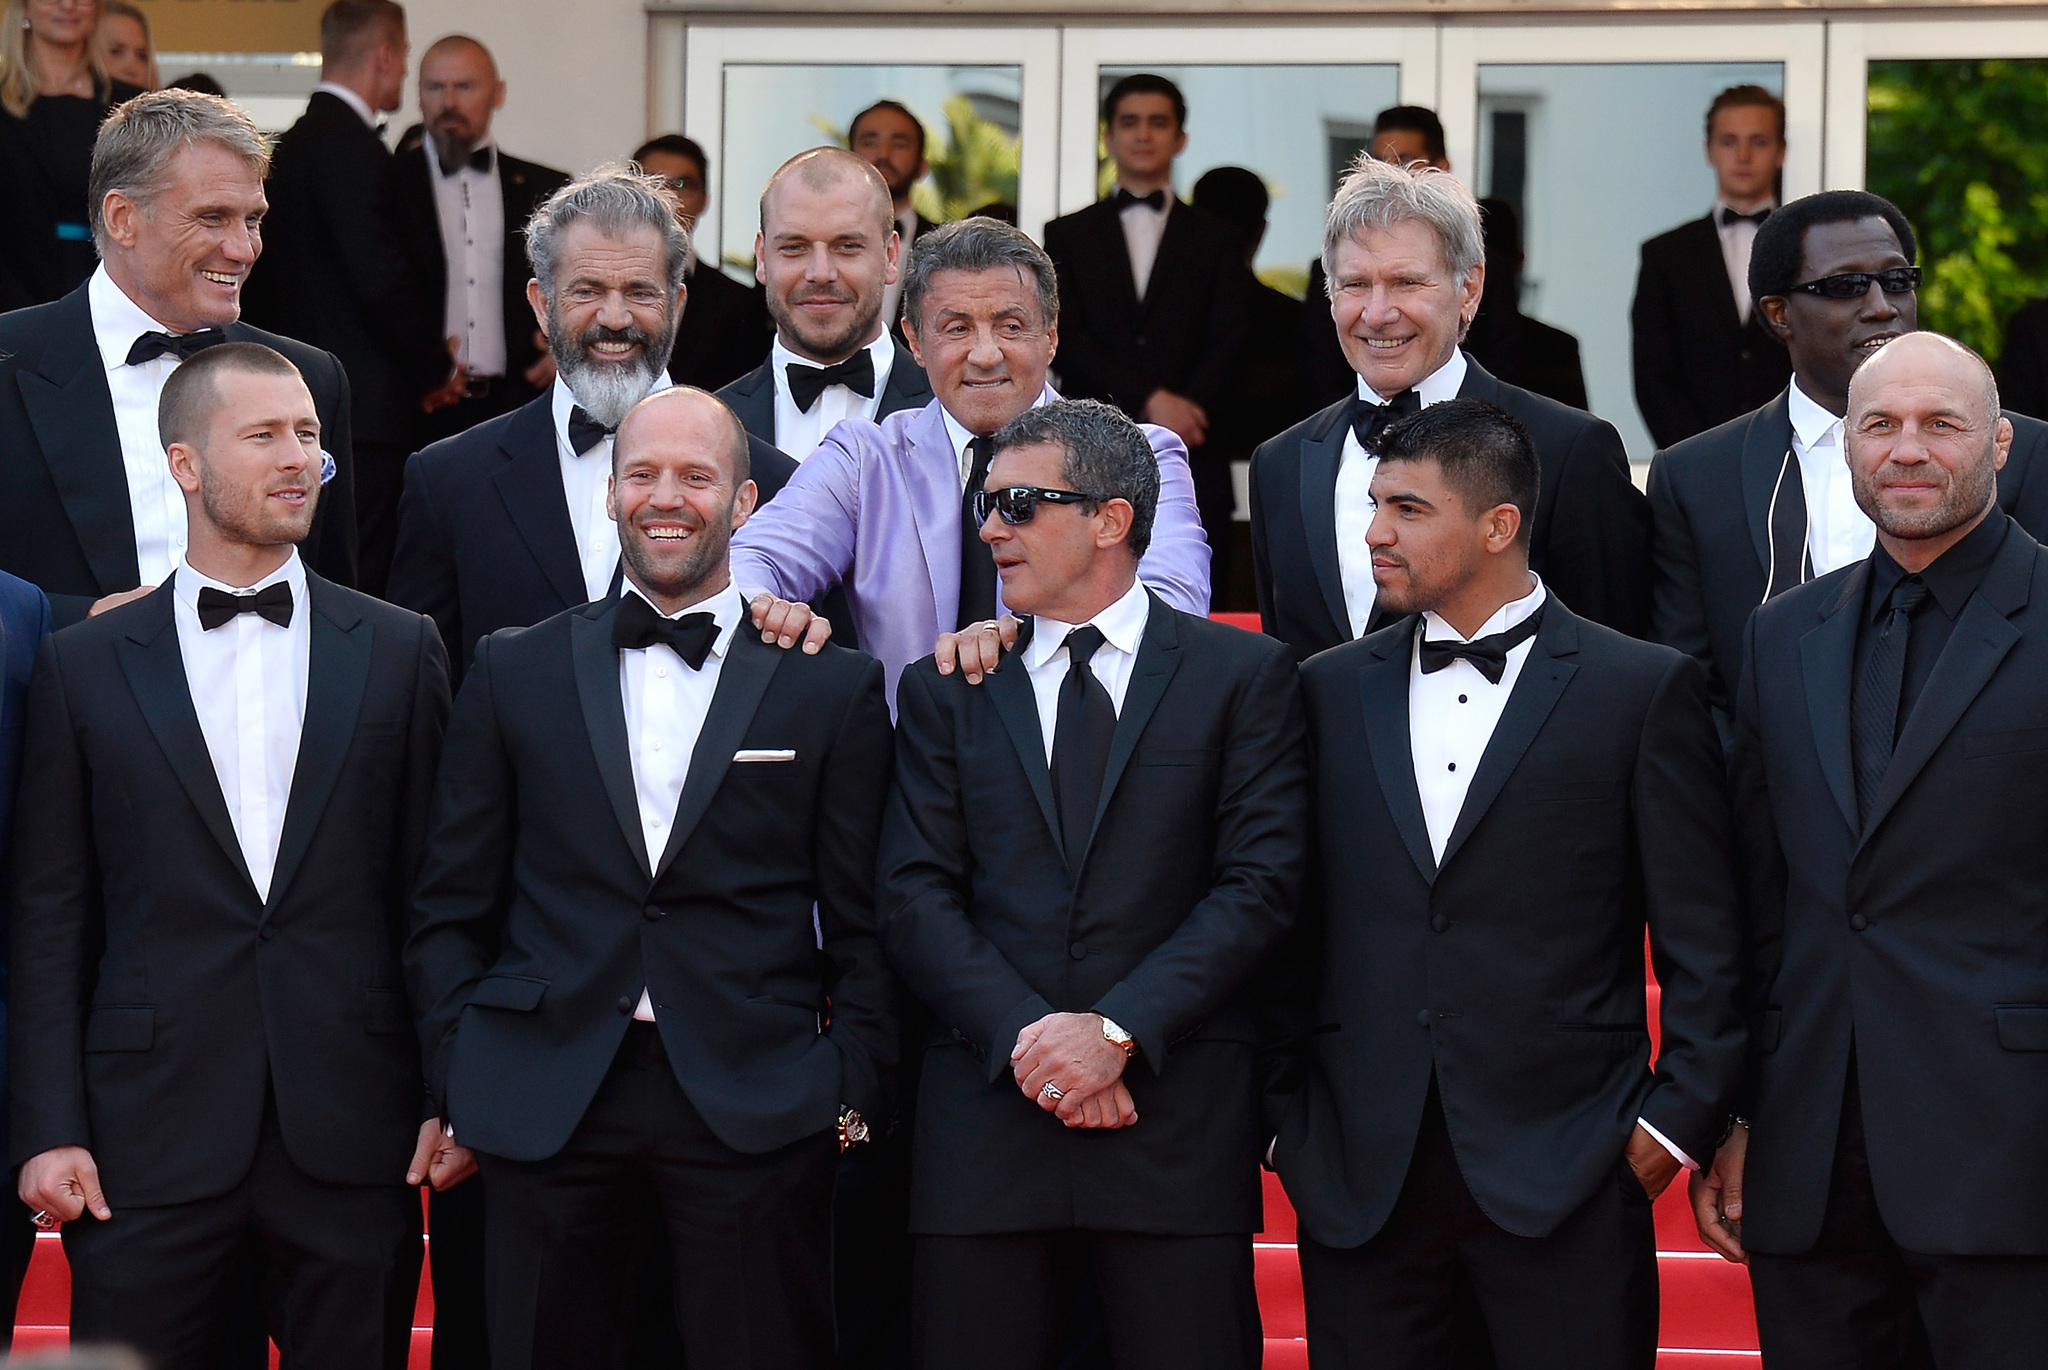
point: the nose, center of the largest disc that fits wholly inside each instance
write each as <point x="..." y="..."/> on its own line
<point x="984" y="352"/>
<point x="1379" y="308"/>
<point x="994" y="530"/>
<point x="1380" y="532"/>
<point x="818" y="266"/>
<point x="243" y="244"/>
<point x="1877" y="304"/>
<point x="612" y="312"/>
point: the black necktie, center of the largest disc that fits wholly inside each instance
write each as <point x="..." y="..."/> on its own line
<point x="1790" y="563"/>
<point x="1085" y="726"/>
<point x="183" y="346"/>
<point x="640" y="625"/>
<point x="1123" y="200"/>
<point x="806" y="383"/>
<point x="1874" y="703"/>
<point x="272" y="602"/>
<point x="1731" y="217"/>
<point x="977" y="564"/>
<point x="1488" y="655"/>
<point x="584" y="431"/>
<point x="1369" y="420"/>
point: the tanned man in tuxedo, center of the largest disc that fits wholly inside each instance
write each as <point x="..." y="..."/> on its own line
<point x="629" y="998"/>
<point x="725" y="332"/>
<point x="1765" y="502"/>
<point x="1407" y="264"/>
<point x="1884" y="1180"/>
<point x="211" y="1044"/>
<point x="1158" y="292"/>
<point x="463" y="205"/>
<point x="1703" y="352"/>
<point x="88" y="509"/>
<point x="894" y="142"/>
<point x="1507" y="796"/>
<point x="1086" y="857"/>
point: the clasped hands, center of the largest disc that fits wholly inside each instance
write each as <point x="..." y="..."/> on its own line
<point x="1069" y="1052"/>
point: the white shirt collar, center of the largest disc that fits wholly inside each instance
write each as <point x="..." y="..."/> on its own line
<point x="564" y="399"/>
<point x="1122" y="625"/>
<point x="117" y="321"/>
<point x="1439" y="385"/>
<point x="1507" y="616"/>
<point x="723" y="604"/>
<point x="189" y="582"/>
<point x="956" y="431"/>
<point x="352" y="100"/>
<point x="1810" y="422"/>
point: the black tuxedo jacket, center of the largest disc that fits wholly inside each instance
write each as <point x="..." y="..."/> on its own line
<point x="1189" y="333"/>
<point x="337" y="270"/>
<point x="156" y="998"/>
<point x="2023" y="368"/>
<point x="1589" y="539"/>
<point x="1190" y="878"/>
<point x="752" y="396"/>
<point x="1512" y="970"/>
<point x="484" y="538"/>
<point x="538" y="921"/>
<point x="725" y="332"/>
<point x="1710" y="531"/>
<point x="524" y="185"/>
<point x="1697" y="363"/>
<point x="65" y="521"/>
<point x="1920" y="937"/>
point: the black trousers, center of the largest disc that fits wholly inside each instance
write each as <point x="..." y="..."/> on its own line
<point x="1002" y="1302"/>
<point x="750" y="1237"/>
<point x="872" y="1253"/>
<point x="1582" y="1298"/>
<point x="341" y="1271"/>
<point x="17" y="1246"/>
<point x="1858" y="1301"/>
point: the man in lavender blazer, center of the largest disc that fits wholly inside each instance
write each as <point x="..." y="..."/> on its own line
<point x="877" y="507"/>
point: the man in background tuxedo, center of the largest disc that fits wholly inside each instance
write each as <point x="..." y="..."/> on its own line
<point x="1886" y="1188"/>
<point x="211" y="1044"/>
<point x="2023" y="365"/>
<point x="1703" y="352"/>
<point x="1085" y="859"/>
<point x="88" y="509"/>
<point x="1157" y="293"/>
<point x="1765" y="502"/>
<point x="1406" y="263"/>
<point x="1474" y="1121"/>
<point x="725" y="332"/>
<point x="463" y="205"/>
<point x="644" y="944"/>
<point x="339" y="272"/>
<point x="1520" y="350"/>
<point x="893" y="141"/>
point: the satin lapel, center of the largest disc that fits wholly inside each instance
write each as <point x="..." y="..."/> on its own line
<point x="1827" y="659"/>
<point x="749" y="665"/>
<point x="1115" y="256"/>
<point x="1766" y="440"/>
<point x="1321" y="453"/>
<point x="1174" y="244"/>
<point x="929" y="470"/>
<point x="156" y="674"/>
<point x="908" y="387"/>
<point x="1537" y="690"/>
<point x="604" y="716"/>
<point x="1710" y="269"/>
<point x="338" y="672"/>
<point x="1010" y="691"/>
<point x="530" y="484"/>
<point x="1383" y="697"/>
<point x="1158" y="659"/>
<point x="752" y="397"/>
<point x="72" y="411"/>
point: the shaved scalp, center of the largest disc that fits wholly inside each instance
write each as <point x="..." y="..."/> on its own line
<point x="191" y="397"/>
<point x="1912" y="344"/>
<point x="821" y="169"/>
<point x="737" y="453"/>
<point x="461" y="42"/>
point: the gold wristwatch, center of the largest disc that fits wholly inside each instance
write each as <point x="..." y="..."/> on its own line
<point x="853" y="1129"/>
<point x="1118" y="1038"/>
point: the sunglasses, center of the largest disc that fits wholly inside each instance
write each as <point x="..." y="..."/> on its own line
<point x="1853" y="285"/>
<point x="1019" y="503"/>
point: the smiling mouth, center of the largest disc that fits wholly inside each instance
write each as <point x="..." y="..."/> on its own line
<point x="667" y="534"/>
<point x="222" y="277"/>
<point x="1386" y="344"/>
<point x="613" y="351"/>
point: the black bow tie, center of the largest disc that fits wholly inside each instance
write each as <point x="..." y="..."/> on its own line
<point x="640" y="625"/>
<point x="1369" y="420"/>
<point x="1488" y="655"/>
<point x="1730" y="217"/>
<point x="272" y="602"/>
<point x="183" y="346"/>
<point x="806" y="383"/>
<point x="479" y="160"/>
<point x="1123" y="200"/>
<point x="584" y="431"/>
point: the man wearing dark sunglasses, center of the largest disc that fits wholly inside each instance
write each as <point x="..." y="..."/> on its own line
<point x="1746" y="511"/>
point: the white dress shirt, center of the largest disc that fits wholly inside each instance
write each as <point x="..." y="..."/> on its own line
<point x="248" y="684"/>
<point x="1046" y="662"/>
<point x="665" y="704"/>
<point x="1736" y="239"/>
<point x="471" y="207"/>
<point x="798" y="433"/>
<point x="962" y="439"/>
<point x="1354" y="494"/>
<point x="584" y="481"/>
<point x="1838" y="532"/>
<point x="354" y="102"/>
<point x="892" y="294"/>
<point x="156" y="503"/>
<point x="1144" y="226"/>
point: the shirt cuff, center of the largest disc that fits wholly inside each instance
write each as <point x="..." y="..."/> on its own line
<point x="1688" y="1162"/>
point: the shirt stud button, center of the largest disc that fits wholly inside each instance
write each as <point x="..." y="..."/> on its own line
<point x="1454" y="765"/>
<point x="625" y="1003"/>
<point x="1463" y="699"/>
<point x="1858" y="922"/>
<point x="1439" y="923"/>
<point x="1422" y="1019"/>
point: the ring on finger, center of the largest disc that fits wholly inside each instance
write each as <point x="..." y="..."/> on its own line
<point x="1052" y="1092"/>
<point x="45" y="1220"/>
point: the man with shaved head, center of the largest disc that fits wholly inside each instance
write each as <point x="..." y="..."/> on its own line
<point x="1883" y="1179"/>
<point x="625" y="991"/>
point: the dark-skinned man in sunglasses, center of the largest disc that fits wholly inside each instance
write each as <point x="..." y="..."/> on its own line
<point x="1744" y="512"/>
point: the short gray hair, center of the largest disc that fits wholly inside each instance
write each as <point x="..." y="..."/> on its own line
<point x="615" y="199"/>
<point x="1107" y="456"/>
<point x="977" y="244"/>
<point x="140" y="139"/>
<point x="1376" y="194"/>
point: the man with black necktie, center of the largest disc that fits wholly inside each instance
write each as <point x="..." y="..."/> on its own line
<point x="1884" y="1180"/>
<point x="1703" y="353"/>
<point x="725" y="332"/>
<point x="1086" y="858"/>
<point x="643" y="940"/>
<point x="88" y="510"/>
<point x="1407" y="264"/>
<point x="1765" y="502"/>
<point x="1507" y="797"/>
<point x="210" y="1043"/>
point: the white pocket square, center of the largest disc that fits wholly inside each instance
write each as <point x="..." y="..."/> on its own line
<point x="765" y="754"/>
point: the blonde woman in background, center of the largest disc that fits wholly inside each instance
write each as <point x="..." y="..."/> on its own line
<point x="126" y="47"/>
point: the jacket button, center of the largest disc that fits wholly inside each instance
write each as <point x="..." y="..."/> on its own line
<point x="1422" y="1019"/>
<point x="1858" y="922"/>
<point x="627" y="1003"/>
<point x="267" y="932"/>
<point x="1078" y="950"/>
<point x="1439" y="923"/>
<point x="651" y="914"/>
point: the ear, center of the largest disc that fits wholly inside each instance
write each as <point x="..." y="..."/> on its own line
<point x="120" y="215"/>
<point x="892" y="258"/>
<point x="2001" y="443"/>
<point x="1469" y="296"/>
<point x="1503" y="525"/>
<point x="1113" y="522"/>
<point x="910" y="340"/>
<point x="1773" y="309"/>
<point x="498" y="97"/>
<point x="1052" y="340"/>
<point x="1180" y="144"/>
<point x="743" y="502"/>
<point x="184" y="459"/>
<point x="539" y="302"/>
<point x="760" y="259"/>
